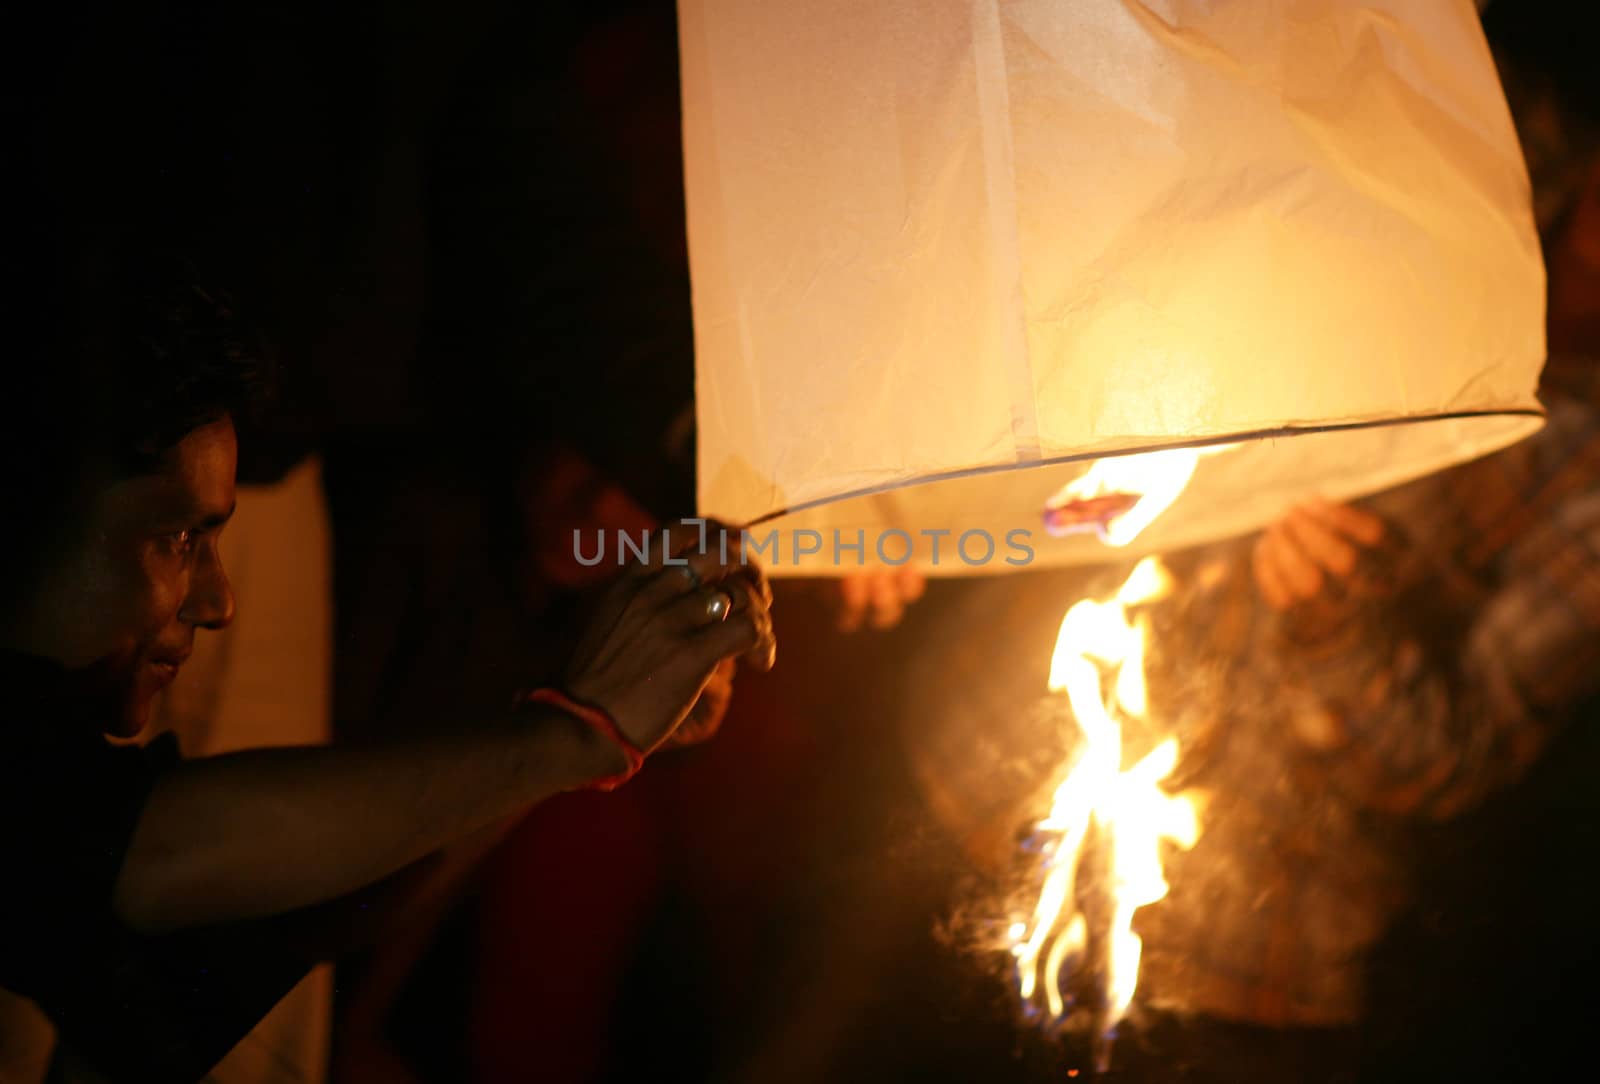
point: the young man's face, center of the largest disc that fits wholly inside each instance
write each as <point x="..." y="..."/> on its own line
<point x="123" y="602"/>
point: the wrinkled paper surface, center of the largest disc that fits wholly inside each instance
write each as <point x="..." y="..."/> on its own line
<point x="943" y="252"/>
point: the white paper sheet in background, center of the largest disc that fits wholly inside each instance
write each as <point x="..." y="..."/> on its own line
<point x="930" y="238"/>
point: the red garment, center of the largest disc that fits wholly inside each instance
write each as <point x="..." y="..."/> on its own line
<point x="569" y="894"/>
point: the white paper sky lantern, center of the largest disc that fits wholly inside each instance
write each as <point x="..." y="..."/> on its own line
<point x="945" y="254"/>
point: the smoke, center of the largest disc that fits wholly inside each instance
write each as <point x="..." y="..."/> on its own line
<point x="1200" y="637"/>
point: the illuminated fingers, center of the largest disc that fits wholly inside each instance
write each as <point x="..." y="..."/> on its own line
<point x="749" y="604"/>
<point x="1268" y="579"/>
<point x="879" y="597"/>
<point x="1317" y="542"/>
<point x="887" y="606"/>
<point x="745" y="636"/>
<point x="699" y="607"/>
<point x="1354" y="523"/>
<point x="1293" y="565"/>
<point x="1320" y="542"/>
<point x="855" y="593"/>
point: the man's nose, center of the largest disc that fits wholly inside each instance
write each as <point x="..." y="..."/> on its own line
<point x="210" y="601"/>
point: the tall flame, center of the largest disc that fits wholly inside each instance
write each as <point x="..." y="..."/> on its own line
<point x="1099" y="664"/>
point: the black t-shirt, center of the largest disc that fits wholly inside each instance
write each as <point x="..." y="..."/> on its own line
<point x="136" y="1008"/>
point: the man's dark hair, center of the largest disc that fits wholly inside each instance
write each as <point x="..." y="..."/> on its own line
<point x="173" y="356"/>
<point x="119" y="350"/>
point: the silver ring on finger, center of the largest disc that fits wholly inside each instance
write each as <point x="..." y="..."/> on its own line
<point x="718" y="606"/>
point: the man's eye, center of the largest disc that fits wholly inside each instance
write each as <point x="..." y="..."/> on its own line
<point x="180" y="541"/>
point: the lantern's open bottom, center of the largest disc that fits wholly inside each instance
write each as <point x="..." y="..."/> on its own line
<point x="921" y="520"/>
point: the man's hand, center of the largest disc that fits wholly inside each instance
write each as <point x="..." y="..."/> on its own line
<point x="882" y="593"/>
<point x="662" y="631"/>
<point x="1318" y="545"/>
<point x="705" y="718"/>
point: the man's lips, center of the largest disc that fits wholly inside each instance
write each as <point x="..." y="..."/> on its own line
<point x="166" y="668"/>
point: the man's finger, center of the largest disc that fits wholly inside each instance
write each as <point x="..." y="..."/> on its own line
<point x="706" y="715"/>
<point x="886" y="603"/>
<point x="665" y="587"/>
<point x="669" y="586"/>
<point x="700" y="607"/>
<point x="763" y="654"/>
<point x="1321" y="542"/>
<point x="732" y="638"/>
<point x="667" y="546"/>
<point x="912" y="583"/>
<point x="1352" y="522"/>
<point x="752" y="571"/>
<point x="1295" y="569"/>
<point x="711" y="552"/>
<point x="728" y="544"/>
<point x="1268" y="579"/>
<point x="853" y="593"/>
<point x="750" y="602"/>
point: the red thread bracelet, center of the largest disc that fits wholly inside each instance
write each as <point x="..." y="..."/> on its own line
<point x="596" y="719"/>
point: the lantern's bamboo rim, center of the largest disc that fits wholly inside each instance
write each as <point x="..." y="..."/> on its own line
<point x="1158" y="446"/>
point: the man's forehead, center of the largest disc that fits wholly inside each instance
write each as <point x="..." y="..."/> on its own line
<point x="192" y="482"/>
<point x="203" y="465"/>
<point x="188" y="497"/>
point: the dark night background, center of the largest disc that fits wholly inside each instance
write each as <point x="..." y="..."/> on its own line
<point x="461" y="228"/>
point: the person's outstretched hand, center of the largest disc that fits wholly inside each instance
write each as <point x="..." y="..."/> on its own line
<point x="1307" y="562"/>
<point x="878" y="597"/>
<point x="661" y="632"/>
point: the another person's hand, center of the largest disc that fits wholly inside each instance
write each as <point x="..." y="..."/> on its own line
<point x="1311" y="555"/>
<point x="662" y="631"/>
<point x="878" y="596"/>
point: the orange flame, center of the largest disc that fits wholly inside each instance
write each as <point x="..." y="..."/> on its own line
<point x="1150" y="482"/>
<point x="1101" y="644"/>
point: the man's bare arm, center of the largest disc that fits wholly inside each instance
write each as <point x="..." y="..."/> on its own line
<point x="259" y="833"/>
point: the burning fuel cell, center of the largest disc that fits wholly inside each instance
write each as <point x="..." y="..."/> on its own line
<point x="1089" y="514"/>
<point x="1117" y="498"/>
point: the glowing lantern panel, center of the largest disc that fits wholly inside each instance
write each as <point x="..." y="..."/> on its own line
<point x="946" y="255"/>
